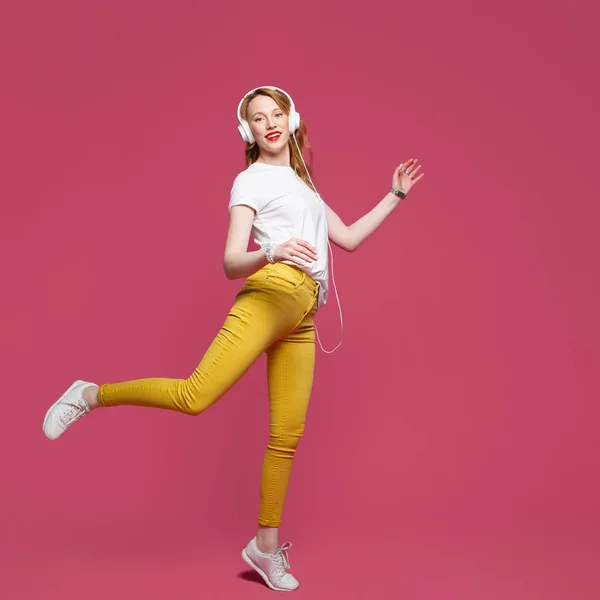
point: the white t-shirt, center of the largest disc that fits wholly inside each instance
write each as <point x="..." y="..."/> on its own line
<point x="285" y="208"/>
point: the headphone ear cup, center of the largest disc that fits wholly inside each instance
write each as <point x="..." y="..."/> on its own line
<point x="294" y="121"/>
<point x="246" y="132"/>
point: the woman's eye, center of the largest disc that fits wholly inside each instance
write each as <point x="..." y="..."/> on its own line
<point x="279" y="114"/>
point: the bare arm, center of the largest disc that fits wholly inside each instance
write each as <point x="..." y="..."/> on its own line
<point x="350" y="237"/>
<point x="238" y="262"/>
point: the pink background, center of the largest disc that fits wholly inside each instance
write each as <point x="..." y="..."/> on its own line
<point x="451" y="448"/>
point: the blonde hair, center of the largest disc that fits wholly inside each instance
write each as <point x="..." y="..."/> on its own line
<point x="253" y="151"/>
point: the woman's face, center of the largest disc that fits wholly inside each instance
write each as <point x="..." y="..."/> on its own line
<point x="269" y="124"/>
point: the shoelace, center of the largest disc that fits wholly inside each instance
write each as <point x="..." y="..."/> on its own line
<point x="71" y="415"/>
<point x="282" y="560"/>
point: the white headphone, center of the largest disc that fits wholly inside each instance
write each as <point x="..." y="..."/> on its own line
<point x="244" y="127"/>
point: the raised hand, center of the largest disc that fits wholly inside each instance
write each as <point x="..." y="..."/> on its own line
<point x="296" y="251"/>
<point x="404" y="175"/>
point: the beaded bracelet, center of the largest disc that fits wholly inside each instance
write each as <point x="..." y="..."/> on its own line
<point x="269" y="253"/>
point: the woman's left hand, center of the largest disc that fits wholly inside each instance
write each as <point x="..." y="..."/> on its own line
<point x="404" y="175"/>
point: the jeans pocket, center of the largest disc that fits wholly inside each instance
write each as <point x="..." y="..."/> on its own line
<point x="285" y="276"/>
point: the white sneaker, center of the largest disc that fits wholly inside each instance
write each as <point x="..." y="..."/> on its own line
<point x="273" y="568"/>
<point x="69" y="408"/>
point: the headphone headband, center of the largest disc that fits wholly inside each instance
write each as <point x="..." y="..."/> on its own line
<point x="244" y="127"/>
<point x="268" y="87"/>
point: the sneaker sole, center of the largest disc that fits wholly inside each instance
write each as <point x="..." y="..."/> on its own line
<point x="73" y="386"/>
<point x="263" y="574"/>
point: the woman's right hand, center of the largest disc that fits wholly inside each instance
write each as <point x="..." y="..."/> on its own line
<point x="296" y="251"/>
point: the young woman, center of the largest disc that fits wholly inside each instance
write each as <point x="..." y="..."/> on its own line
<point x="287" y="280"/>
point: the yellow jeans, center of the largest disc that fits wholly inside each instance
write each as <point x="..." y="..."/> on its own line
<point x="273" y="312"/>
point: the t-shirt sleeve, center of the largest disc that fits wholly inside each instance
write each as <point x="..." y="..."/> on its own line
<point x="242" y="192"/>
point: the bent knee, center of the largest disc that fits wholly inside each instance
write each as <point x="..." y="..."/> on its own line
<point x="193" y="410"/>
<point x="194" y="402"/>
